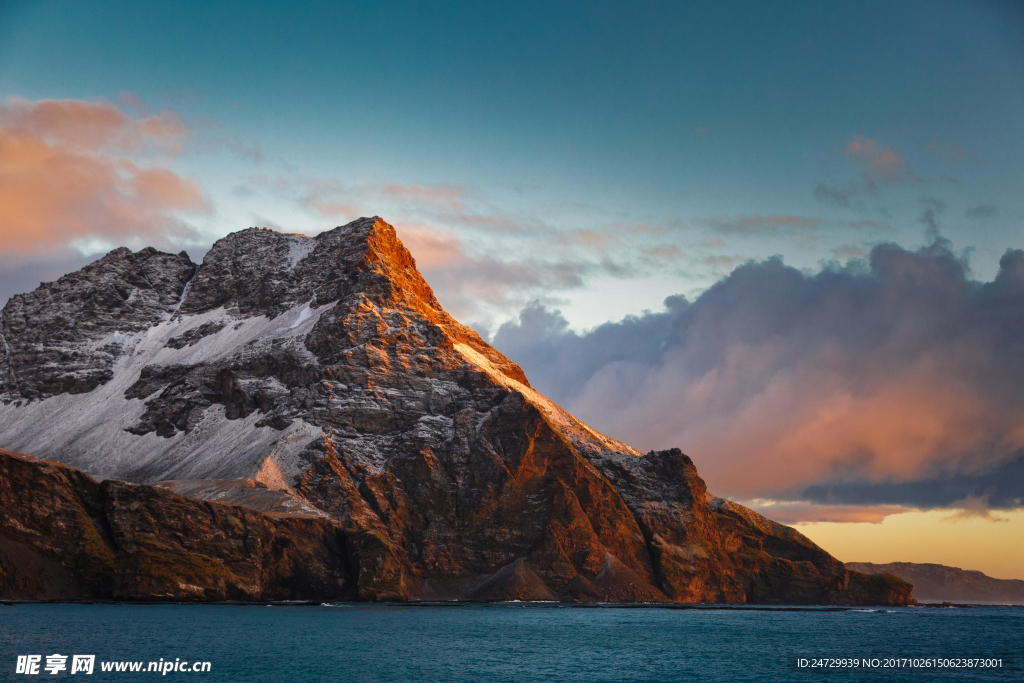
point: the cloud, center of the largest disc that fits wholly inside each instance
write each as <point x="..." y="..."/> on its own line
<point x="795" y="512"/>
<point x="973" y="507"/>
<point x="470" y="283"/>
<point x="891" y="381"/>
<point x="981" y="211"/>
<point x="92" y="125"/>
<point x="881" y="162"/>
<point x="711" y="243"/>
<point x="832" y="195"/>
<point x="947" y="486"/>
<point x="336" y="199"/>
<point x="644" y="228"/>
<point x="933" y="209"/>
<point x="70" y="170"/>
<point x="880" y="165"/>
<point x="663" y="251"/>
<point x="868" y="224"/>
<point x="468" y="249"/>
<point x="847" y="252"/>
<point x="745" y="225"/>
<point x="586" y="238"/>
<point x="449" y="196"/>
<point x="951" y="151"/>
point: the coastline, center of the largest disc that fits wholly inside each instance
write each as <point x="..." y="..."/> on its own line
<point x="552" y="604"/>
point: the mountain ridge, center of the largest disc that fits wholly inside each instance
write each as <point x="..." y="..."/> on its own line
<point x="323" y="368"/>
<point x="943" y="583"/>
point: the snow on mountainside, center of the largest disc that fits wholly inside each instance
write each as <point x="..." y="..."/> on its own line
<point x="319" y="376"/>
<point x="253" y="302"/>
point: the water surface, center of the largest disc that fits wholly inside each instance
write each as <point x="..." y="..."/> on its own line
<point x="510" y="642"/>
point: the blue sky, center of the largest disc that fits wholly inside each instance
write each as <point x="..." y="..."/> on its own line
<point x="729" y="130"/>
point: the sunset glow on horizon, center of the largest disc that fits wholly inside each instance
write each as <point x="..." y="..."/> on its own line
<point x="937" y="536"/>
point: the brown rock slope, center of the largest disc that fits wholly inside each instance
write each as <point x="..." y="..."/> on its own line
<point x="325" y="368"/>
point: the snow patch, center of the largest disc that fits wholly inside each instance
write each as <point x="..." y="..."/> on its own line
<point x="299" y="247"/>
<point x="92" y="432"/>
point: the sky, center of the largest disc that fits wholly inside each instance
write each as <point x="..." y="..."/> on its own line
<point x="781" y="236"/>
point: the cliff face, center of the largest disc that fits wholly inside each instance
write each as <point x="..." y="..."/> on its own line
<point x="325" y="369"/>
<point x="63" y="535"/>
<point x="939" y="583"/>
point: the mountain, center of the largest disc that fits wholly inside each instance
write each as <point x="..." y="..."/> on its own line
<point x="301" y="376"/>
<point x="65" y="536"/>
<point x="939" y="583"/>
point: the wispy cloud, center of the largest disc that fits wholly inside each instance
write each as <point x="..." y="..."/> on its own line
<point x="880" y="161"/>
<point x="832" y="195"/>
<point x="880" y="165"/>
<point x="951" y="151"/>
<point x="746" y="225"/>
<point x="794" y="512"/>
<point x="982" y="211"/>
<point x="449" y="196"/>
<point x="930" y="214"/>
<point x="73" y="171"/>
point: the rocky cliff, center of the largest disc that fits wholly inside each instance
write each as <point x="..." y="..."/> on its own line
<point x="323" y="372"/>
<point x="940" y="583"/>
<point x="65" y="536"/>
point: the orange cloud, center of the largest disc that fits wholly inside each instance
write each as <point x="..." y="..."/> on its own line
<point x="589" y="238"/>
<point x="663" y="251"/>
<point x="881" y="161"/>
<point x="804" y="423"/>
<point x="92" y="125"/>
<point x="69" y="171"/>
<point x="432" y="248"/>
<point x="470" y="284"/>
<point x="790" y="512"/>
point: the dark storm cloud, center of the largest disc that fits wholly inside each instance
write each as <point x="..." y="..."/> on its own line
<point x="1002" y="487"/>
<point x="897" y="375"/>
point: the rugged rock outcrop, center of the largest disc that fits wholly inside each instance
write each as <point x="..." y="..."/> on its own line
<point x="63" y="535"/>
<point x="65" y="336"/>
<point x="325" y="369"/>
<point x="940" y="583"/>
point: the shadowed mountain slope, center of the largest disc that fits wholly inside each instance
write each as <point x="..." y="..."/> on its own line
<point x="940" y="583"/>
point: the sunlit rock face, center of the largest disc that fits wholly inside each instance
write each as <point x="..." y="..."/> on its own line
<point x="323" y="368"/>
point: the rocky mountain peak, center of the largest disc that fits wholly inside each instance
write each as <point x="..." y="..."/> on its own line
<point x="325" y="370"/>
<point x="262" y="271"/>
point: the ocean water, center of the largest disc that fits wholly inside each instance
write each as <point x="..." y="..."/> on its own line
<point x="509" y="642"/>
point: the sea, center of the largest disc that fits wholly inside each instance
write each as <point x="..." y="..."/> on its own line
<point x="508" y="642"/>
